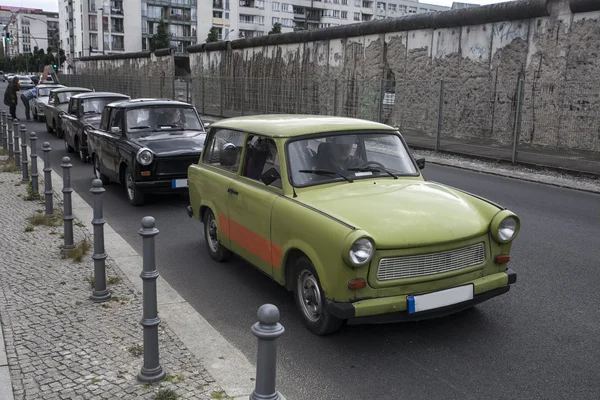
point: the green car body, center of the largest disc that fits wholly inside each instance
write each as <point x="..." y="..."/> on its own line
<point x="420" y="230"/>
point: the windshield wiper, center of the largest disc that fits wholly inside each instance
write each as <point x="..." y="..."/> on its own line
<point x="324" y="172"/>
<point x="139" y="127"/>
<point x="373" y="169"/>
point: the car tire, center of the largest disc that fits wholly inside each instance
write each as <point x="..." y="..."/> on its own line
<point x="99" y="175"/>
<point x="68" y="148"/>
<point x="83" y="155"/>
<point x="49" y="128"/>
<point x="211" y="237"/>
<point x="134" y="195"/>
<point x="310" y="300"/>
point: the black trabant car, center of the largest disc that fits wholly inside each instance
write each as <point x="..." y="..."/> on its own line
<point x="146" y="145"/>
<point x="84" y="113"/>
<point x="57" y="105"/>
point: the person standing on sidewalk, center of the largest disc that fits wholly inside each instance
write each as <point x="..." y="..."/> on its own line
<point x="10" y="97"/>
<point x="26" y="96"/>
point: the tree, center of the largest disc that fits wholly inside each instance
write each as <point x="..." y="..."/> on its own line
<point x="162" y="39"/>
<point x="213" y="35"/>
<point x="276" y="28"/>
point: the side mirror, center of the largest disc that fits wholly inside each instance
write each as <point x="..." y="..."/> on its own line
<point x="270" y="176"/>
<point x="420" y="163"/>
<point x="206" y="125"/>
<point x="115" y="130"/>
<point x="88" y="128"/>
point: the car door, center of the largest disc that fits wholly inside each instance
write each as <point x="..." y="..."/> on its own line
<point x="113" y="137"/>
<point x="48" y="110"/>
<point x="250" y="202"/>
<point x="69" y="122"/>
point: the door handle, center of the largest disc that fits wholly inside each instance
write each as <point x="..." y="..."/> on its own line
<point x="232" y="191"/>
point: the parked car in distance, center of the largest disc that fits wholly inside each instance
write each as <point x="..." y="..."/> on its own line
<point x="57" y="105"/>
<point x="337" y="211"/>
<point x="25" y="82"/>
<point x="40" y="101"/>
<point x="84" y="112"/>
<point x="146" y="145"/>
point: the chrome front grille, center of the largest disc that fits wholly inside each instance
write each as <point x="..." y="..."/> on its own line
<point x="431" y="263"/>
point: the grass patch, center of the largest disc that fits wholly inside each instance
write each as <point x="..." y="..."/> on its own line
<point x="165" y="394"/>
<point x="8" y="167"/>
<point x="80" y="250"/>
<point x="59" y="312"/>
<point x="119" y="299"/>
<point x="30" y="195"/>
<point x="136" y="350"/>
<point x="3" y="151"/>
<point x="94" y="381"/>
<point x="42" y="219"/>
<point x="175" y="379"/>
<point x="219" y="395"/>
<point x="113" y="280"/>
<point x="29" y="228"/>
<point x="79" y="224"/>
<point x="90" y="280"/>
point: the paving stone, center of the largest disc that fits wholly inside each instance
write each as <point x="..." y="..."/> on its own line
<point x="59" y="344"/>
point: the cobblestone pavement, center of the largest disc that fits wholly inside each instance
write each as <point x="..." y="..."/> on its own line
<point x="59" y="344"/>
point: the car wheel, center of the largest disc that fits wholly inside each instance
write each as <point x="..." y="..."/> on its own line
<point x="49" y="128"/>
<point x="35" y="116"/>
<point x="310" y="300"/>
<point x="211" y="236"/>
<point x="99" y="175"/>
<point x="68" y="148"/>
<point x="83" y="155"/>
<point x="135" y="195"/>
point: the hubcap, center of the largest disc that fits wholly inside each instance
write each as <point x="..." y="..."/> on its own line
<point x="310" y="296"/>
<point x="129" y="181"/>
<point x="212" y="234"/>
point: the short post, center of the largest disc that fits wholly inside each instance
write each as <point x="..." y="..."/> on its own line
<point x="17" y="149"/>
<point x="2" y="132"/>
<point x="151" y="371"/>
<point x="267" y="330"/>
<point x="440" y="116"/>
<point x="34" y="170"/>
<point x="24" y="160"/>
<point x="100" y="294"/>
<point x="10" y="141"/>
<point x="48" y="192"/>
<point x="68" y="209"/>
<point x="517" y="121"/>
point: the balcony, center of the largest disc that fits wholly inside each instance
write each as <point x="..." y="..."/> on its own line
<point x="218" y="21"/>
<point x="191" y="4"/>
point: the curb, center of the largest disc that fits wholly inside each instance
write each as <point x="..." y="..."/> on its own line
<point x="227" y="365"/>
<point x="6" y="389"/>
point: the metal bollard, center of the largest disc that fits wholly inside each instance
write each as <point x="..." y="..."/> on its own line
<point x="10" y="141"/>
<point x="24" y="161"/>
<point x="68" y="211"/>
<point x="267" y="330"/>
<point x="34" y="171"/>
<point x="17" y="150"/>
<point x="100" y="294"/>
<point x="152" y="371"/>
<point x="48" y="192"/>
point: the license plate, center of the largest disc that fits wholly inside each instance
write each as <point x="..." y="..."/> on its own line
<point x="439" y="299"/>
<point x="179" y="183"/>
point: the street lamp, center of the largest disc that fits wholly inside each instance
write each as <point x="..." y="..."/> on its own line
<point x="228" y="34"/>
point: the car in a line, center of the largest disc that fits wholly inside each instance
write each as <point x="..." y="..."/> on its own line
<point x="146" y="145"/>
<point x="58" y="103"/>
<point x="25" y="82"/>
<point x="84" y="112"/>
<point x="40" y="101"/>
<point x="338" y="212"/>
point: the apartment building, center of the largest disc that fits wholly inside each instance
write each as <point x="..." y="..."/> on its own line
<point x="235" y="19"/>
<point x="28" y="28"/>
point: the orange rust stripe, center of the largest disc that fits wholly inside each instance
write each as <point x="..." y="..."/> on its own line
<point x="224" y="225"/>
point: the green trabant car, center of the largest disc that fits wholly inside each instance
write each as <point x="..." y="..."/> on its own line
<point x="337" y="211"/>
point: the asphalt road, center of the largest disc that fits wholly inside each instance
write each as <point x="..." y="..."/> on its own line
<point x="540" y="340"/>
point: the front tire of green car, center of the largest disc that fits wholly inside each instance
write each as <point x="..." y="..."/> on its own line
<point x="310" y="300"/>
<point x="211" y="237"/>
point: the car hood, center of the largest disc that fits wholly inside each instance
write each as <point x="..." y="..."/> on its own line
<point x="92" y="119"/>
<point x="173" y="143"/>
<point x="405" y="212"/>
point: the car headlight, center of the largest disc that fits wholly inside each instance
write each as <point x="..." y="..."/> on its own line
<point x="505" y="226"/>
<point x="361" y="251"/>
<point x="145" y="156"/>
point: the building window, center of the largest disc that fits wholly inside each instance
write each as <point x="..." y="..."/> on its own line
<point x="276" y="6"/>
<point x="144" y="45"/>
<point x="93" y="23"/>
<point x="226" y="14"/>
<point x="217" y="14"/>
<point x="412" y="10"/>
<point x="94" y="40"/>
<point x="117" y="25"/>
<point x="92" y="5"/>
<point x="344" y="14"/>
<point x="118" y="43"/>
<point x="391" y="7"/>
<point x="357" y="16"/>
<point x="344" y="2"/>
<point x="154" y="12"/>
<point x="380" y="5"/>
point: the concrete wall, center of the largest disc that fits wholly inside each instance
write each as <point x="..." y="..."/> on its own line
<point x="480" y="54"/>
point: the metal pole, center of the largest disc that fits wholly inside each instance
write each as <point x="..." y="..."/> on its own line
<point x="68" y="212"/>
<point x="2" y="132"/>
<point x="440" y="116"/>
<point x="11" y="153"/>
<point x="517" y="118"/>
<point x="267" y="330"/>
<point x="100" y="294"/>
<point x="34" y="171"/>
<point x="24" y="154"/>
<point x="17" y="148"/>
<point x="48" y="192"/>
<point x="152" y="371"/>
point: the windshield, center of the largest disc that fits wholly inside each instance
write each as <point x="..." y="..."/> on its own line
<point x="158" y="119"/>
<point x="25" y="79"/>
<point x="44" y="92"/>
<point x="348" y="156"/>
<point x="63" y="97"/>
<point x="96" y="105"/>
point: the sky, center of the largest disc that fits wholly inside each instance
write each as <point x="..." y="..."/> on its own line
<point x="52" y="5"/>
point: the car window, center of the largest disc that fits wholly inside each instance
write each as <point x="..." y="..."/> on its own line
<point x="158" y="119"/>
<point x="73" y="107"/>
<point x="96" y="105"/>
<point x="104" y="119"/>
<point x="115" y="119"/>
<point x="261" y="155"/>
<point x="224" y="149"/>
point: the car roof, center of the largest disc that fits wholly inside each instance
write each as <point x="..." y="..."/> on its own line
<point x="90" y="95"/>
<point x="290" y="125"/>
<point x="138" y="103"/>
<point x="49" y="85"/>
<point x="71" y="89"/>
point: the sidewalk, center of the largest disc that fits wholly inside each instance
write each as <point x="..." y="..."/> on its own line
<point x="60" y="345"/>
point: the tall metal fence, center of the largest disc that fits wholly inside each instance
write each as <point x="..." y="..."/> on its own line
<point x="544" y="123"/>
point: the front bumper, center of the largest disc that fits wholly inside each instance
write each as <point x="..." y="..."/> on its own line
<point x="394" y="309"/>
<point x="160" y="186"/>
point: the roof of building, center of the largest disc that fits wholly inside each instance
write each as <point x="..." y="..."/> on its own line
<point x="289" y="125"/>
